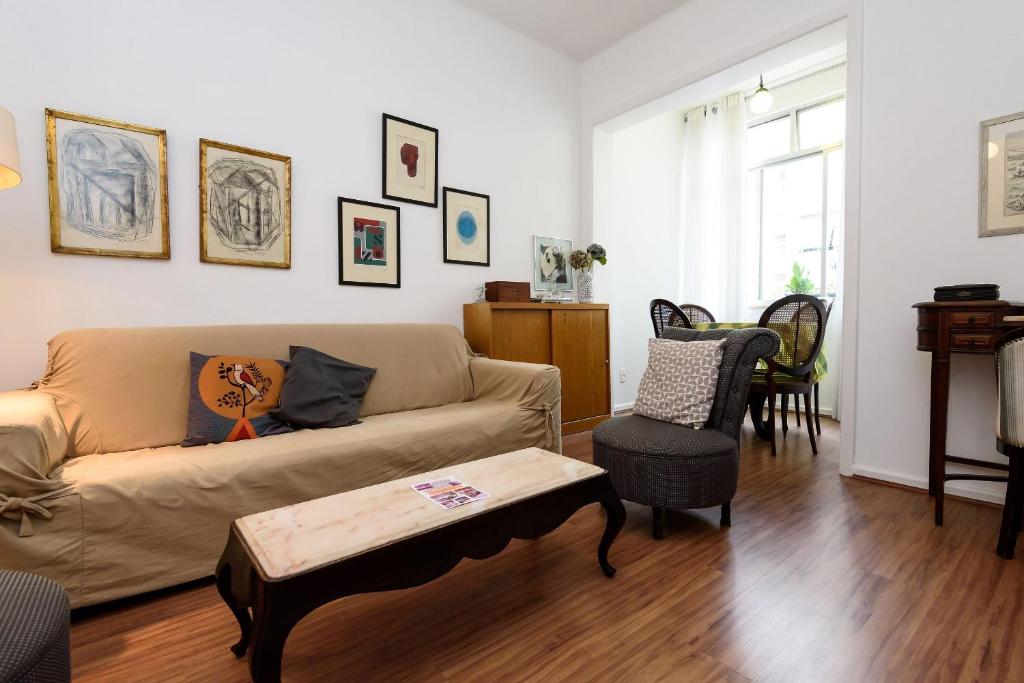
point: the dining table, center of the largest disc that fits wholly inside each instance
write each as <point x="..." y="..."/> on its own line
<point x="757" y="400"/>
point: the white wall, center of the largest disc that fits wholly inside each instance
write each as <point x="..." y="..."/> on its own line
<point x="930" y="75"/>
<point x="308" y="79"/>
<point x="642" y="237"/>
<point x="922" y="76"/>
<point x="633" y="169"/>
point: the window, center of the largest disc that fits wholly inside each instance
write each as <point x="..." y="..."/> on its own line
<point x="796" y="163"/>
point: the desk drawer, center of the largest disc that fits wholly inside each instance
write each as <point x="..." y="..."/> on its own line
<point x="972" y="319"/>
<point x="972" y="341"/>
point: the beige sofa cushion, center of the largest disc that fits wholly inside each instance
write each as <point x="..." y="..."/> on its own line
<point x="137" y="505"/>
<point x="127" y="388"/>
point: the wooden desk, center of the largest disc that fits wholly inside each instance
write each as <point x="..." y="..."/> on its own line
<point x="945" y="328"/>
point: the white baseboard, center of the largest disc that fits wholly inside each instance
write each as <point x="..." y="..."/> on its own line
<point x="953" y="488"/>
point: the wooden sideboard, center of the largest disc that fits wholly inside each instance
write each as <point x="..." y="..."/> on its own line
<point x="573" y="337"/>
<point x="944" y="328"/>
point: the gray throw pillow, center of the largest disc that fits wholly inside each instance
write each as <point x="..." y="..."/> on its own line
<point x="680" y="381"/>
<point x="321" y="390"/>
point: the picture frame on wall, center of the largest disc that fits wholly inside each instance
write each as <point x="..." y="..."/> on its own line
<point x="551" y="270"/>
<point x="245" y="206"/>
<point x="467" y="227"/>
<point x="1001" y="195"/>
<point x="108" y="187"/>
<point x="369" y="244"/>
<point x="409" y="160"/>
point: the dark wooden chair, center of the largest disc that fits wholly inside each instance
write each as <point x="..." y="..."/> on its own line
<point x="697" y="314"/>
<point x="799" y="320"/>
<point x="1010" y="436"/>
<point x="664" y="314"/>
<point x="817" y="389"/>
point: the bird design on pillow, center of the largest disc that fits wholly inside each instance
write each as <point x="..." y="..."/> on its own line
<point x="243" y="380"/>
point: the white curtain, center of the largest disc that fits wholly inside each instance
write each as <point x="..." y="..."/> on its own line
<point x="714" y="172"/>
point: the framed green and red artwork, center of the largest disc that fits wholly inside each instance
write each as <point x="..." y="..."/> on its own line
<point x="369" y="244"/>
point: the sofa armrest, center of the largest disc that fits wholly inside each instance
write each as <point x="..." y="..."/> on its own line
<point x="530" y="386"/>
<point x="33" y="441"/>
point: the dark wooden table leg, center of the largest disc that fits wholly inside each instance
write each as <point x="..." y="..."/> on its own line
<point x="233" y="583"/>
<point x="937" y="438"/>
<point x="275" y="614"/>
<point x="756" y="401"/>
<point x="616" y="519"/>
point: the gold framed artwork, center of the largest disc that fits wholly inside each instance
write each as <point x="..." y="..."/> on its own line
<point x="409" y="157"/>
<point x="245" y="206"/>
<point x="1001" y="196"/>
<point x="369" y="244"/>
<point x="467" y="227"/>
<point x="108" y="187"/>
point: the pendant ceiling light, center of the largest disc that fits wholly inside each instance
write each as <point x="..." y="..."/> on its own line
<point x="761" y="101"/>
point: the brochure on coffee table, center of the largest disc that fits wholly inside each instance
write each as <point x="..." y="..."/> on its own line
<point x="448" y="492"/>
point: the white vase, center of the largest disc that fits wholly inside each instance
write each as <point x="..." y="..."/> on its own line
<point x="585" y="286"/>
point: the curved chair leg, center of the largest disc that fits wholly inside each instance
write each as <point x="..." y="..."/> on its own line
<point x="771" y="418"/>
<point x="1007" y="530"/>
<point x="726" y="514"/>
<point x="810" y="423"/>
<point x="785" y="415"/>
<point x="658" y="522"/>
<point x="796" y="408"/>
<point x="817" y="410"/>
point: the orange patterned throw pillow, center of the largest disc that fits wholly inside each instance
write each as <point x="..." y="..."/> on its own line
<point x="231" y="397"/>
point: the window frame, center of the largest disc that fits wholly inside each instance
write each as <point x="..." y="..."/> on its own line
<point x="795" y="153"/>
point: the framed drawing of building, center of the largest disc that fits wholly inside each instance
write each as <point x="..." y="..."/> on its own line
<point x="108" y="187"/>
<point x="1001" y="197"/>
<point x="369" y="244"/>
<point x="245" y="206"/>
<point x="409" y="159"/>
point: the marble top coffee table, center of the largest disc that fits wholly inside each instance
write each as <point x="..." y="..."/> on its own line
<point x="285" y="563"/>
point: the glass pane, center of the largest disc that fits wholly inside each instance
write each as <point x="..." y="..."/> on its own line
<point x="791" y="228"/>
<point x="767" y="140"/>
<point x="836" y="161"/>
<point x="822" y="125"/>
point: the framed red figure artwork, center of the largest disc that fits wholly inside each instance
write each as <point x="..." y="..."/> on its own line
<point x="409" y="160"/>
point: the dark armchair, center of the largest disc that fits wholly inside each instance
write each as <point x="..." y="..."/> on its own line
<point x="669" y="466"/>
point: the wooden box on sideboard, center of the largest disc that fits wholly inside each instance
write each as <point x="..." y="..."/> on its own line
<point x="573" y="337"/>
<point x="502" y="291"/>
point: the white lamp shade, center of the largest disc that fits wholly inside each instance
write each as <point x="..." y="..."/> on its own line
<point x="10" y="168"/>
<point x="761" y="101"/>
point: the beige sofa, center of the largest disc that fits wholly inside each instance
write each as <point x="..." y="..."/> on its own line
<point x="97" y="494"/>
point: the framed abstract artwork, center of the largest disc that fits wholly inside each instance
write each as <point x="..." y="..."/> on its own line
<point x="108" y="187"/>
<point x="1001" y="197"/>
<point x="551" y="271"/>
<point x="369" y="244"/>
<point x="410" y="161"/>
<point x="467" y="227"/>
<point x="245" y="206"/>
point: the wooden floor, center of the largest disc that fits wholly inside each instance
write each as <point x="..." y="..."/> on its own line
<point x="820" y="578"/>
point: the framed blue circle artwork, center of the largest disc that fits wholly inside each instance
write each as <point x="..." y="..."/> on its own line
<point x="466" y="227"/>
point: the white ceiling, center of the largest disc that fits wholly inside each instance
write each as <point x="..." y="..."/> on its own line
<point x="579" y="28"/>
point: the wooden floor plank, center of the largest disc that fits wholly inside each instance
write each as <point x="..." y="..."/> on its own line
<point x="819" y="578"/>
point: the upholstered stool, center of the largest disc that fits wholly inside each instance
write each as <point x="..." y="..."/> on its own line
<point x="666" y="465"/>
<point x="34" y="629"/>
<point x="669" y="466"/>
